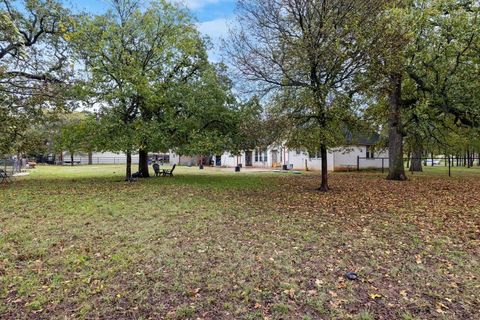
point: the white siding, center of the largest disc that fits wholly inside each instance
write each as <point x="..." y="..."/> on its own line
<point x="347" y="157"/>
<point x="300" y="160"/>
<point x="338" y="159"/>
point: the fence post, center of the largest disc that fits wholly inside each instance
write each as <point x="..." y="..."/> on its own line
<point x="383" y="166"/>
<point x="358" y="163"/>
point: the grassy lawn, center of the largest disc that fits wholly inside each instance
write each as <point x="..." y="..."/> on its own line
<point x="81" y="243"/>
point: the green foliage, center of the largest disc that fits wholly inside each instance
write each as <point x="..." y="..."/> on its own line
<point x="34" y="66"/>
<point x="433" y="46"/>
<point x="148" y="69"/>
<point x="76" y="133"/>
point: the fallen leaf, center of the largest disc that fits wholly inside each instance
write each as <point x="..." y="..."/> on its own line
<point x="374" y="296"/>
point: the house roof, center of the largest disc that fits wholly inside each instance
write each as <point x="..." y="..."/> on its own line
<point x="362" y="138"/>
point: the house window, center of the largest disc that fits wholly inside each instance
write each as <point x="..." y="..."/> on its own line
<point x="298" y="152"/>
<point x="370" y="152"/>
<point x="261" y="155"/>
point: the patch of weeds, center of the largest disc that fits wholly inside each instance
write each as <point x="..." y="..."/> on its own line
<point x="36" y="304"/>
<point x="184" y="311"/>
<point x="227" y="306"/>
<point x="255" y="315"/>
<point x="364" y="315"/>
<point x="408" y="316"/>
<point x="281" y="308"/>
<point x="318" y="303"/>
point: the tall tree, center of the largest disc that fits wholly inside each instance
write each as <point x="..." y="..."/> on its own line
<point x="34" y="64"/>
<point x="425" y="70"/>
<point x="135" y="59"/>
<point x="309" y="50"/>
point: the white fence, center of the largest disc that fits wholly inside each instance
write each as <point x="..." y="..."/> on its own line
<point x="97" y="160"/>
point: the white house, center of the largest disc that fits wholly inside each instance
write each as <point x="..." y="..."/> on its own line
<point x="362" y="152"/>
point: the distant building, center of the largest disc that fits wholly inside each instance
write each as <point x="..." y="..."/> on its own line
<point x="360" y="150"/>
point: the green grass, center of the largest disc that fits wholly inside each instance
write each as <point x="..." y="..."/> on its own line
<point x="79" y="242"/>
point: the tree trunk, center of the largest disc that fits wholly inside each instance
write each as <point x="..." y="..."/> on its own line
<point x="416" y="164"/>
<point x="143" y="163"/>
<point x="323" y="155"/>
<point x="128" y="174"/>
<point x="395" y="137"/>
<point x="90" y="158"/>
<point x="71" y="159"/>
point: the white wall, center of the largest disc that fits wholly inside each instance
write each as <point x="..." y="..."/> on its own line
<point x="346" y="157"/>
<point x="229" y="160"/>
<point x="300" y="160"/>
<point x="338" y="159"/>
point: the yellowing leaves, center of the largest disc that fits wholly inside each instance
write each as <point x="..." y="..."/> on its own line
<point x="375" y="296"/>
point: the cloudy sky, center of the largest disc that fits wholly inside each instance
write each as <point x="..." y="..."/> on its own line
<point x="213" y="16"/>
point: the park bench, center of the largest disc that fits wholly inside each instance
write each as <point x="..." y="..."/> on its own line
<point x="167" y="172"/>
<point x="156" y="168"/>
<point x="5" y="178"/>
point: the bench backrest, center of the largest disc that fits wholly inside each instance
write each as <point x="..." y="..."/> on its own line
<point x="173" y="168"/>
<point x="156" y="167"/>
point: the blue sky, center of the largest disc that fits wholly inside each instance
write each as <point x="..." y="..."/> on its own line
<point x="213" y="16"/>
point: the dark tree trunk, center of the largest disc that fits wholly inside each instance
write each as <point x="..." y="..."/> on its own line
<point x="433" y="158"/>
<point x="417" y="152"/>
<point x="90" y="158"/>
<point x="323" y="155"/>
<point x="468" y="158"/>
<point x="71" y="159"/>
<point x="128" y="174"/>
<point x="395" y="137"/>
<point x="409" y="156"/>
<point x="143" y="163"/>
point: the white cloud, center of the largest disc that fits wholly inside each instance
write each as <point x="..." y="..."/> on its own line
<point x="216" y="30"/>
<point x="196" y="4"/>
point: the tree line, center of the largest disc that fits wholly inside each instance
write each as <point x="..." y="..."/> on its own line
<point x="313" y="71"/>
